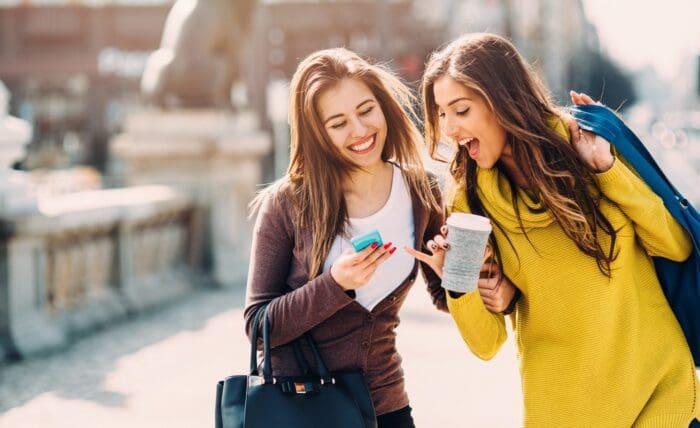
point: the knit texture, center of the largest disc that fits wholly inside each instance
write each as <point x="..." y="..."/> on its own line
<point x="594" y="351"/>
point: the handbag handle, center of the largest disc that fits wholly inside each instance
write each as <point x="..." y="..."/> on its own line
<point x="301" y="360"/>
<point x="254" y="341"/>
<point x="320" y="364"/>
<point x="267" y="366"/>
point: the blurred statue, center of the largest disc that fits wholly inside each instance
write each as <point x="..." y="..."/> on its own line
<point x="198" y="59"/>
<point x="17" y="196"/>
<point x="4" y="100"/>
<point x="15" y="133"/>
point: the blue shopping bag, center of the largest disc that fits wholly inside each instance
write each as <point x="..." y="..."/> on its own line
<point x="680" y="280"/>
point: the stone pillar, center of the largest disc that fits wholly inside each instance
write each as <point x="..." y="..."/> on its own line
<point x="19" y="265"/>
<point x="212" y="155"/>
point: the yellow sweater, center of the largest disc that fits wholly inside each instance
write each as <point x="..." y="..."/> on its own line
<point x="594" y="351"/>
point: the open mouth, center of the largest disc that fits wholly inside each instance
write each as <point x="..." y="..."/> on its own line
<point x="472" y="146"/>
<point x="364" y="146"/>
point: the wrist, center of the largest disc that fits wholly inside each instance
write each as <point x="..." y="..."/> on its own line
<point x="455" y="294"/>
<point x="605" y="165"/>
<point x="335" y="280"/>
<point x="513" y="301"/>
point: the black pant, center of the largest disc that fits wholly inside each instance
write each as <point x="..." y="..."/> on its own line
<point x="398" y="419"/>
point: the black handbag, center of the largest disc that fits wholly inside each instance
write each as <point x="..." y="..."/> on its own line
<point x="313" y="400"/>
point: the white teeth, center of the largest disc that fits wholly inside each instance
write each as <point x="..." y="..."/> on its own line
<point x="465" y="141"/>
<point x="363" y="146"/>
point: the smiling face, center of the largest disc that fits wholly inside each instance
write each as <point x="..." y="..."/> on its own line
<point x="354" y="121"/>
<point x="467" y="119"/>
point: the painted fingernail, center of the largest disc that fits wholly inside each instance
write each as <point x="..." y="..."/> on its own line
<point x="374" y="245"/>
<point x="433" y="246"/>
<point x="446" y="246"/>
<point x="392" y="250"/>
<point x="387" y="245"/>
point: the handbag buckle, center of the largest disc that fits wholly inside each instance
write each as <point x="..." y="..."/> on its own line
<point x="292" y="387"/>
<point x="303" y="387"/>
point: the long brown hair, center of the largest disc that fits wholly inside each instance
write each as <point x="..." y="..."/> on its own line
<point x="491" y="66"/>
<point x="317" y="168"/>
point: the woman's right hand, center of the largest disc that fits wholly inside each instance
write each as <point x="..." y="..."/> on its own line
<point x="353" y="269"/>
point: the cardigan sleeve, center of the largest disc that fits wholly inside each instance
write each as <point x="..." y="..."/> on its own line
<point x="289" y="310"/>
<point x="435" y="220"/>
<point x="658" y="232"/>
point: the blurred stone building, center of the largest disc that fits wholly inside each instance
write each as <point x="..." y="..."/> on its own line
<point x="73" y="69"/>
<point x="554" y="35"/>
<point x="73" y="66"/>
<point x="85" y="256"/>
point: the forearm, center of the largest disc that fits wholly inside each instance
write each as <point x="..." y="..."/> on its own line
<point x="483" y="331"/>
<point x="292" y="312"/>
<point x="297" y="311"/>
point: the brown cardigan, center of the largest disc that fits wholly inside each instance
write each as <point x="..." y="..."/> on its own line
<point x="348" y="335"/>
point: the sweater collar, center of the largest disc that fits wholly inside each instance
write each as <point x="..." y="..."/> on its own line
<point x="496" y="192"/>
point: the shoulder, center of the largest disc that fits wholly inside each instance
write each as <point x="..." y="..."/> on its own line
<point x="433" y="180"/>
<point x="455" y="196"/>
<point x="274" y="200"/>
<point x="423" y="185"/>
<point x="558" y="125"/>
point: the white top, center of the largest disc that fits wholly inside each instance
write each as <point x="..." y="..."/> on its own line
<point x="394" y="221"/>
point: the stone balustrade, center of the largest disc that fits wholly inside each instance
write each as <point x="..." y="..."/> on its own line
<point x="89" y="258"/>
<point x="214" y="157"/>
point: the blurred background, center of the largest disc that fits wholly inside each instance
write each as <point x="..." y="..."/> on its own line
<point x="133" y="134"/>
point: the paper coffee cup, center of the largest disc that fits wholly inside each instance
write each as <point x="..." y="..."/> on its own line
<point x="468" y="235"/>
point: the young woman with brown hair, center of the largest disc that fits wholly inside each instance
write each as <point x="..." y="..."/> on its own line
<point x="574" y="232"/>
<point x="354" y="167"/>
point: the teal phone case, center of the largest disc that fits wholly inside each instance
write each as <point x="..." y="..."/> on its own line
<point x="361" y="242"/>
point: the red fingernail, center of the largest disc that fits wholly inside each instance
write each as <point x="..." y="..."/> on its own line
<point x="392" y="250"/>
<point x="374" y="245"/>
<point x="387" y="245"/>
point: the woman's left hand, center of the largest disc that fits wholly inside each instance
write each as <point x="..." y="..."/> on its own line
<point x="495" y="289"/>
<point x="593" y="149"/>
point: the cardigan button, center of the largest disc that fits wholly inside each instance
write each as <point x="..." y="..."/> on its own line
<point x="365" y="344"/>
<point x="392" y="298"/>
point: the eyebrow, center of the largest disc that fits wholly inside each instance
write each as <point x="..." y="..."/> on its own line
<point x="335" y="116"/>
<point x="458" y="99"/>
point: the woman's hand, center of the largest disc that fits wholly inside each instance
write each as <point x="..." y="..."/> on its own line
<point x="495" y="289"/>
<point x="437" y="246"/>
<point x="579" y="98"/>
<point x="353" y="269"/>
<point x="593" y="149"/>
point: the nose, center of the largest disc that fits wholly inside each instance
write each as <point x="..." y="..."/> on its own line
<point x="449" y="127"/>
<point x="357" y="128"/>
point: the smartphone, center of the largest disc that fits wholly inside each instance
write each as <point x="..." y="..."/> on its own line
<point x="360" y="242"/>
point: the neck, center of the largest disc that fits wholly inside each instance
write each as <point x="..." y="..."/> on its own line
<point x="512" y="170"/>
<point x="365" y="180"/>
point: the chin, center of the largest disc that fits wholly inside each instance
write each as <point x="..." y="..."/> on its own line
<point x="368" y="162"/>
<point x="485" y="164"/>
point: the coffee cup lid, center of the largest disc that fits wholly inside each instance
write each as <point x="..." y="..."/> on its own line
<point x="469" y="221"/>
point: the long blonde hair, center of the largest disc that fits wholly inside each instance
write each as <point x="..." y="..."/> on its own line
<point x="491" y="66"/>
<point x="317" y="167"/>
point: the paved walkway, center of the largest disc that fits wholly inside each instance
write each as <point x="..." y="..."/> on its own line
<point x="160" y="370"/>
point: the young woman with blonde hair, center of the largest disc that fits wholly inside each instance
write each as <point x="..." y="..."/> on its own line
<point x="574" y="232"/>
<point x="354" y="167"/>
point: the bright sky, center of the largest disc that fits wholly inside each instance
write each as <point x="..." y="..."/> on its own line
<point x="640" y="32"/>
